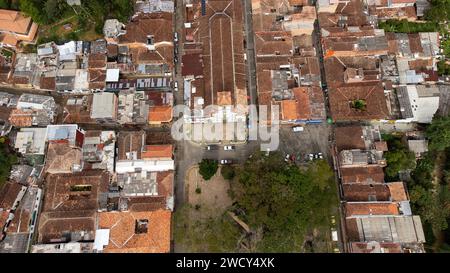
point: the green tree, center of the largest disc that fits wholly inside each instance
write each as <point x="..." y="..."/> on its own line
<point x="227" y="172"/>
<point x="214" y="234"/>
<point x="438" y="133"/>
<point x="54" y="9"/>
<point x="321" y="173"/>
<point x="283" y="200"/>
<point x="399" y="160"/>
<point x="208" y="168"/>
<point x="4" y="4"/>
<point x="123" y="9"/>
<point x="7" y="159"/>
<point x="433" y="208"/>
<point x="33" y="8"/>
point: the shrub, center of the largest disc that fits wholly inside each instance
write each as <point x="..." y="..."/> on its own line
<point x="228" y="172"/>
<point x="208" y="168"/>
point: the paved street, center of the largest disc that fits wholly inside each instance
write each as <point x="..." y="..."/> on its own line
<point x="314" y="139"/>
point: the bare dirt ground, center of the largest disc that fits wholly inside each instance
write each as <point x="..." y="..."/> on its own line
<point x="213" y="198"/>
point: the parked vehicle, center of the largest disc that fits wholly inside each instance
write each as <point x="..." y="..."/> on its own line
<point x="175" y="37"/>
<point x="228" y="148"/>
<point x="212" y="147"/>
<point x="226" y="161"/>
<point x="297" y="129"/>
<point x="175" y="86"/>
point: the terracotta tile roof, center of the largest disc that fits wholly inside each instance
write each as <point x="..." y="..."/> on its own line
<point x="21" y="80"/>
<point x="21" y="221"/>
<point x="288" y="110"/>
<point x="14" y="21"/>
<point x="299" y="2"/>
<point x="373" y="96"/>
<point x="159" y="114"/>
<point x="224" y="98"/>
<point x="265" y="22"/>
<point x="157" y="24"/>
<point x="408" y="13"/>
<point x="361" y="247"/>
<point x="273" y="43"/>
<point x="157" y="151"/>
<point x="398" y="191"/>
<point x="48" y="83"/>
<point x="381" y="146"/>
<point x="359" y="192"/>
<point x="3" y="217"/>
<point x="79" y="113"/>
<point x="223" y="51"/>
<point x="8" y="194"/>
<point x="157" y="98"/>
<point x="21" y="118"/>
<point x="66" y="209"/>
<point x="128" y="142"/>
<point x="337" y="69"/>
<point x="97" y="79"/>
<point x="124" y="237"/>
<point x="349" y="137"/>
<point x="8" y="39"/>
<point x="61" y="197"/>
<point x="192" y="64"/>
<point x="97" y="60"/>
<point x="113" y="50"/>
<point x="162" y="54"/>
<point x="61" y="157"/>
<point x="147" y="203"/>
<point x="373" y="174"/>
<point x="371" y="208"/>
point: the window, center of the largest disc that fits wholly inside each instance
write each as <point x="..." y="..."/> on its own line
<point x="80" y="188"/>
<point x="141" y="226"/>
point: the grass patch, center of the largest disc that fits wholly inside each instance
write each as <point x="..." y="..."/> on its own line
<point x="404" y="26"/>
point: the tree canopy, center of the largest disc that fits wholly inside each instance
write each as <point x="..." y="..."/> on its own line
<point x="49" y="11"/>
<point x="438" y="133"/>
<point x="7" y="159"/>
<point x="283" y="200"/>
<point x="227" y="172"/>
<point x="398" y="158"/>
<point x="208" y="168"/>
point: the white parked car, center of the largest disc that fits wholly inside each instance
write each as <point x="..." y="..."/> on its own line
<point x="226" y="161"/>
<point x="228" y="148"/>
<point x="297" y="129"/>
<point x="175" y="85"/>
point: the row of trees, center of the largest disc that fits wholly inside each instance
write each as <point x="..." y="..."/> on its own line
<point x="429" y="187"/>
